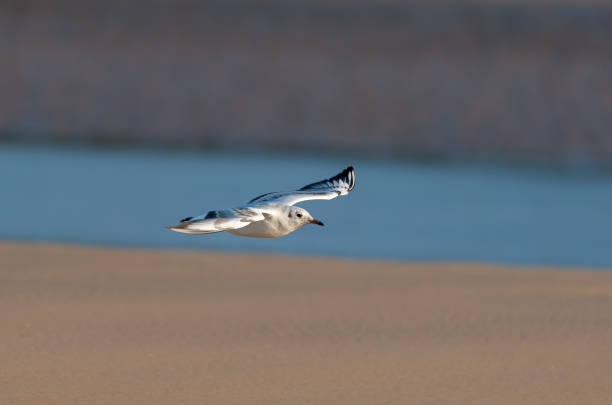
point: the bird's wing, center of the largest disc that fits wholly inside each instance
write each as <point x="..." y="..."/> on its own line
<point x="340" y="184"/>
<point x="220" y="220"/>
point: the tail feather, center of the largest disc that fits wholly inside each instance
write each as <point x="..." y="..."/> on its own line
<point x="194" y="227"/>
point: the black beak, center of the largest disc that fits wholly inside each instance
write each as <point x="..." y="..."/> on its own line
<point x="317" y="222"/>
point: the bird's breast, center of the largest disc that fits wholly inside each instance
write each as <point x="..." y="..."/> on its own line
<point x="268" y="228"/>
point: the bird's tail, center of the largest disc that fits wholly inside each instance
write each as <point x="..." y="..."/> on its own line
<point x="188" y="225"/>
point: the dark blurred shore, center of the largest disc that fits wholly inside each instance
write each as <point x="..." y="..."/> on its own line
<point x="445" y="80"/>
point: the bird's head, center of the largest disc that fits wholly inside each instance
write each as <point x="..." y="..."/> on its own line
<point x="300" y="217"/>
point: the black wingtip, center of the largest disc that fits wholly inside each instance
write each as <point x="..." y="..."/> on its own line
<point x="350" y="172"/>
<point x="186" y="219"/>
<point x="347" y="175"/>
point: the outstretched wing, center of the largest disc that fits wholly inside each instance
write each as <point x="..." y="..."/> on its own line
<point x="220" y="220"/>
<point x="340" y="184"/>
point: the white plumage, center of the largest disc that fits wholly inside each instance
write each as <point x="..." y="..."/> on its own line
<point x="272" y="214"/>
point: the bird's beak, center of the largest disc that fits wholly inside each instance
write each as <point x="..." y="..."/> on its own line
<point x="317" y="222"/>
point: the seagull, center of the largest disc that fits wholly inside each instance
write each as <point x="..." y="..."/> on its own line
<point x="270" y="215"/>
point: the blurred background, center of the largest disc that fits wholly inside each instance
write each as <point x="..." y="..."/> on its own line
<point x="478" y="130"/>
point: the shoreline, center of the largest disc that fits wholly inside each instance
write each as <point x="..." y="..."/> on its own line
<point x="331" y="257"/>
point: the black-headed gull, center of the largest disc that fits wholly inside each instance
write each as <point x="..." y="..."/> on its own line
<point x="270" y="215"/>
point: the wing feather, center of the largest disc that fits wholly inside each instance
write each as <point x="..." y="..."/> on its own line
<point x="219" y="220"/>
<point x="340" y="184"/>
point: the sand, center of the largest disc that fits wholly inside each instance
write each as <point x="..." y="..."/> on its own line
<point x="84" y="325"/>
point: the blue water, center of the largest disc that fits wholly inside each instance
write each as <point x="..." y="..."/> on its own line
<point x="396" y="211"/>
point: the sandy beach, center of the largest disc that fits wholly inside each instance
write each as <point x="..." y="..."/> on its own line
<point x="89" y="325"/>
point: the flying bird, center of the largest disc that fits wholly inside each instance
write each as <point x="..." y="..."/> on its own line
<point x="270" y="215"/>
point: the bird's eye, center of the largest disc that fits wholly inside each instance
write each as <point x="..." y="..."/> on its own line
<point x="299" y="215"/>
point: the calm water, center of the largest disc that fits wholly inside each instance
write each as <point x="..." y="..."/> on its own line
<point x="397" y="210"/>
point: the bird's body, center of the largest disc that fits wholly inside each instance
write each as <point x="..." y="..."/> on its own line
<point x="275" y="223"/>
<point x="270" y="215"/>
